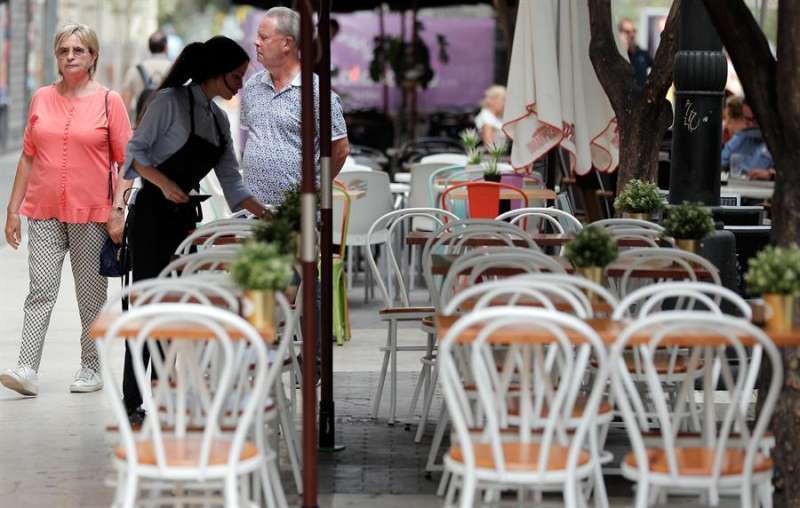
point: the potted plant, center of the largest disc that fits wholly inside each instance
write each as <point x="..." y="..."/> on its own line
<point x="473" y="160"/>
<point x="496" y="151"/>
<point x="688" y="223"/>
<point x="592" y="250"/>
<point x="775" y="274"/>
<point x="639" y="200"/>
<point x="278" y="232"/>
<point x="491" y="173"/>
<point x="470" y="139"/>
<point x="261" y="269"/>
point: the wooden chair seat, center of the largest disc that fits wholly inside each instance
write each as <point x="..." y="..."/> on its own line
<point x="186" y="452"/>
<point x="697" y="461"/>
<point x="520" y="456"/>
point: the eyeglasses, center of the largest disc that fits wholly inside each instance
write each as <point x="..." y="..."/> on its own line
<point x="77" y="51"/>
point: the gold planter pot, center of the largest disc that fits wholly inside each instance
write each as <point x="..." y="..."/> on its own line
<point x="636" y="215"/>
<point x="692" y="245"/>
<point x="263" y="307"/>
<point x="594" y="274"/>
<point x="780" y="315"/>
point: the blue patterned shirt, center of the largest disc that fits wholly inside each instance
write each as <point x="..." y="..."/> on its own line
<point x="272" y="159"/>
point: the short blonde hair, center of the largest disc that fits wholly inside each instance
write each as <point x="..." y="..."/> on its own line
<point x="492" y="92"/>
<point x="86" y="35"/>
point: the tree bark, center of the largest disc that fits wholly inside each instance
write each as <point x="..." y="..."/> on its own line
<point x="773" y="92"/>
<point x="643" y="113"/>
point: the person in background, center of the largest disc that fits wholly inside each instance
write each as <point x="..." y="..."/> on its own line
<point x="746" y="153"/>
<point x="733" y="118"/>
<point x="489" y="120"/>
<point x="639" y="58"/>
<point x="181" y="137"/>
<point x="147" y="74"/>
<point x="66" y="185"/>
<point x="271" y="112"/>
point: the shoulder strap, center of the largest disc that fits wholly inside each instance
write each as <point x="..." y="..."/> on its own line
<point x="110" y="158"/>
<point x="146" y="79"/>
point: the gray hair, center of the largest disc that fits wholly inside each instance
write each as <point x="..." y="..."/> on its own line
<point x="287" y="22"/>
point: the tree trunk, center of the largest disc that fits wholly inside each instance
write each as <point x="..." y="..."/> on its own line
<point x="643" y="114"/>
<point x="773" y="92"/>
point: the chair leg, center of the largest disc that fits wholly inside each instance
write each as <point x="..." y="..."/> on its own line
<point x="393" y="380"/>
<point x="131" y="487"/>
<point x="290" y="436"/>
<point x="350" y="265"/>
<point x="418" y="387"/>
<point x="412" y="268"/>
<point x="438" y="436"/>
<point x="382" y="376"/>
<point x="468" y="488"/>
<point x="231" y="491"/>
<point x="426" y="407"/>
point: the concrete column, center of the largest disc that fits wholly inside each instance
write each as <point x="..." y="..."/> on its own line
<point x="18" y="71"/>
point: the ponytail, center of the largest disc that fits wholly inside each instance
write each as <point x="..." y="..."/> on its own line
<point x="185" y="67"/>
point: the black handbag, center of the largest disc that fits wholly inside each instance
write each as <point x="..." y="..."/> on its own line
<point x="112" y="259"/>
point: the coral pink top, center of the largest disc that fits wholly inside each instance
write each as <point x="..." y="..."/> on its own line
<point x="67" y="139"/>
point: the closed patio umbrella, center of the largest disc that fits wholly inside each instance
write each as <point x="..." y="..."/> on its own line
<point x="554" y="97"/>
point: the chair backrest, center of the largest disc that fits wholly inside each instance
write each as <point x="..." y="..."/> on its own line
<point x="449" y="158"/>
<point x="215" y="235"/>
<point x="548" y="366"/>
<point x="534" y="218"/>
<point x="187" y="290"/>
<point x="589" y="293"/>
<point x="392" y="225"/>
<point x="683" y="295"/>
<point x="627" y="224"/>
<point x="341" y="215"/>
<point x="518" y="291"/>
<point x="637" y="400"/>
<point x="201" y="393"/>
<point x="418" y="194"/>
<point x="692" y="265"/>
<point x="450" y="175"/>
<point x="376" y="202"/>
<point x="487" y="263"/>
<point x="483" y="198"/>
<point x="214" y="260"/>
<point x="456" y="237"/>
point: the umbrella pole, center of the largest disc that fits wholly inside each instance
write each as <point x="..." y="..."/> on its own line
<point x="382" y="32"/>
<point x="308" y="259"/>
<point x="327" y="412"/>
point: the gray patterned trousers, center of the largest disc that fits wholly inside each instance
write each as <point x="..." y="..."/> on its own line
<point x="48" y="242"/>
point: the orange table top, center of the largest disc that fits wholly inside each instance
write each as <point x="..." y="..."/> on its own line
<point x="608" y="330"/>
<point x="172" y="331"/>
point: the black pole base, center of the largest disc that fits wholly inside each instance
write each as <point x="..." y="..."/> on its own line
<point x="327" y="427"/>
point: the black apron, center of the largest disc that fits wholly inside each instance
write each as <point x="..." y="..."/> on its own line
<point x="160" y="225"/>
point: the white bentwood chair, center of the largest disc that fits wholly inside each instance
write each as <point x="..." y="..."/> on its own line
<point x="523" y="445"/>
<point x="723" y="462"/>
<point x="204" y="428"/>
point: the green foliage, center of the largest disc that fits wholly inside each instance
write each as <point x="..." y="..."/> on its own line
<point x="688" y="221"/>
<point x="639" y="196"/>
<point x="262" y="266"/>
<point x="289" y="210"/>
<point x="592" y="246"/>
<point x="474" y="156"/>
<point x="775" y="270"/>
<point x="470" y="139"/>
<point x="497" y="150"/>
<point x="278" y="232"/>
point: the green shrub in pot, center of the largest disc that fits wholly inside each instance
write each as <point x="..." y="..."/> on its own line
<point x="639" y="197"/>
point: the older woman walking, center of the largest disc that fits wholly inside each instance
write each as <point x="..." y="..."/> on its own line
<point x="66" y="186"/>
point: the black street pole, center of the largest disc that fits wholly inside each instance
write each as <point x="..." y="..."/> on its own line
<point x="327" y="411"/>
<point x="700" y="73"/>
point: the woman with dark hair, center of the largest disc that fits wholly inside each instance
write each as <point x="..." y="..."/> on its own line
<point x="181" y="137"/>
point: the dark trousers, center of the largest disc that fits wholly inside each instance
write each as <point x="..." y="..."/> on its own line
<point x="153" y="242"/>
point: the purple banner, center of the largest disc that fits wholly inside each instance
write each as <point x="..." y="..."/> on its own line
<point x="458" y="84"/>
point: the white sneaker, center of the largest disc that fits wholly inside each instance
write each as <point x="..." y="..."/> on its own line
<point x="22" y="379"/>
<point x="86" y="380"/>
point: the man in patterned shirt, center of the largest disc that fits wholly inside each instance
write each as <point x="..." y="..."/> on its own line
<point x="271" y="112"/>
